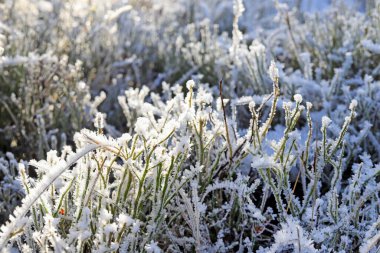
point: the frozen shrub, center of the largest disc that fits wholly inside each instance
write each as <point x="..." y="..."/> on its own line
<point x="186" y="179"/>
<point x="242" y="165"/>
<point x="339" y="41"/>
<point x="11" y="191"/>
<point x="331" y="58"/>
<point x="37" y="93"/>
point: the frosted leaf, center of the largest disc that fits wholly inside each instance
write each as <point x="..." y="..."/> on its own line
<point x="286" y="105"/>
<point x="264" y="162"/>
<point x="182" y="144"/>
<point x="105" y="216"/>
<point x="202" y="208"/>
<point x="294" y="136"/>
<point x="136" y="227"/>
<point x="204" y="97"/>
<point x="238" y="8"/>
<point x="52" y="157"/>
<point x="370" y="46"/>
<point x="219" y="103"/>
<point x="124" y="219"/>
<point x="370" y="244"/>
<point x="26" y="248"/>
<point x="152" y="247"/>
<point x="142" y="125"/>
<point x="112" y="15"/>
<point x="244" y="100"/>
<point x="257" y="48"/>
<point x="86" y="136"/>
<point x="124" y="139"/>
<point x="292" y="238"/>
<point x="110" y="228"/>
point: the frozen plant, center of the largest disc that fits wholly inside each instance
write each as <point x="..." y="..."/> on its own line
<point x="11" y="191"/>
<point x="195" y="165"/>
<point x="187" y="179"/>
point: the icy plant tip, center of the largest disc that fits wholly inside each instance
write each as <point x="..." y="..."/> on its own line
<point x="298" y="98"/>
<point x="252" y="106"/>
<point x="99" y="120"/>
<point x="353" y="104"/>
<point x="81" y="85"/>
<point x="309" y="105"/>
<point x="273" y="71"/>
<point x="326" y="121"/>
<point x="190" y="85"/>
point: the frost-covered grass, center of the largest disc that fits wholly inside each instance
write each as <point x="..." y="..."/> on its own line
<point x="189" y="126"/>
